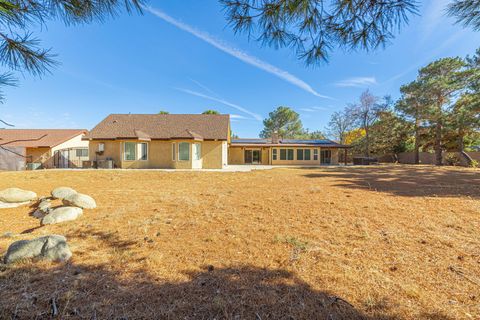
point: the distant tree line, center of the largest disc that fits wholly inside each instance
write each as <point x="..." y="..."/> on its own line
<point x="438" y="111"/>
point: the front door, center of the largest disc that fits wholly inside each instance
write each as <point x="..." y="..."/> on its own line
<point x="253" y="157"/>
<point x="197" y="156"/>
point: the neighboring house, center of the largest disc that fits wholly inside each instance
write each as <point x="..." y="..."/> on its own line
<point x="42" y="148"/>
<point x="176" y="141"/>
<point x="277" y="151"/>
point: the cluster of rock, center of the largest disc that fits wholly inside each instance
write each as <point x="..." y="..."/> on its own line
<point x="51" y="247"/>
<point x="74" y="203"/>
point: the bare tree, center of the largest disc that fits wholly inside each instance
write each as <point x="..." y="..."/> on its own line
<point x="366" y="112"/>
<point x="340" y="124"/>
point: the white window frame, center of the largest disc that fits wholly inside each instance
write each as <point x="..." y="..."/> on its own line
<point x="125" y="153"/>
<point x="315" y="154"/>
<point x="274" y="154"/>
<point x="140" y="151"/>
<point x="189" y="151"/>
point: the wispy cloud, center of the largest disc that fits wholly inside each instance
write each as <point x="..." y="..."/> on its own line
<point x="357" y="82"/>
<point x="237" y="53"/>
<point x="314" y="109"/>
<point x="434" y="14"/>
<point x="222" y="101"/>
<point x="237" y="116"/>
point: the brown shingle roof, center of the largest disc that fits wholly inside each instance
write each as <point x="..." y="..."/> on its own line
<point x="162" y="126"/>
<point x="36" y="138"/>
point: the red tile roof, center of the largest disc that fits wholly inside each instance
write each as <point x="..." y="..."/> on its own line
<point x="36" y="138"/>
<point x="162" y="126"/>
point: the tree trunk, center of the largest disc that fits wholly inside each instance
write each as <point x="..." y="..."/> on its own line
<point x="417" y="144"/>
<point x="461" y="145"/>
<point x="417" y="137"/>
<point x="367" y="143"/>
<point x="438" y="144"/>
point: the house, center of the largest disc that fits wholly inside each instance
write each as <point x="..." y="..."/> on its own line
<point x="42" y="148"/>
<point x="176" y="141"/>
<point x="276" y="151"/>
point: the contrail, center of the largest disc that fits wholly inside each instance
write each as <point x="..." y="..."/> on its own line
<point x="233" y="105"/>
<point x="234" y="52"/>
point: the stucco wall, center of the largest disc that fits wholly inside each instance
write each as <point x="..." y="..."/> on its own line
<point x="111" y="151"/>
<point x="212" y="154"/>
<point x="159" y="154"/>
<point x="75" y="142"/>
<point x="235" y="155"/>
<point x="40" y="155"/>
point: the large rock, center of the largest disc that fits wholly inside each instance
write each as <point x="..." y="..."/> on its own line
<point x="16" y="195"/>
<point x="53" y="247"/>
<point x="4" y="205"/>
<point x="62" y="214"/>
<point x="81" y="201"/>
<point x="44" y="206"/>
<point x="63" y="192"/>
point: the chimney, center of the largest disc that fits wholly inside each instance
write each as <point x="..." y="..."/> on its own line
<point x="275" y="139"/>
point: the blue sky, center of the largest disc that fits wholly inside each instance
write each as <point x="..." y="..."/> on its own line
<point x="181" y="57"/>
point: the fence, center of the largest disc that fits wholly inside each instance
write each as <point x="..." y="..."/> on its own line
<point x="70" y="158"/>
<point x="12" y="158"/>
<point x="426" y="157"/>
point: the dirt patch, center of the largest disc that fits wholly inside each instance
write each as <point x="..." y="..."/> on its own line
<point x="335" y="243"/>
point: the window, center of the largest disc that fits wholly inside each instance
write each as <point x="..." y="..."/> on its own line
<point x="81" y="153"/>
<point x="315" y="154"/>
<point x="184" y="151"/>
<point x="299" y="154"/>
<point x="143" y="151"/>
<point x="274" y="154"/>
<point x="174" y="151"/>
<point x="289" y="154"/>
<point x="130" y="152"/>
<point x="283" y="154"/>
<point x="307" y="155"/>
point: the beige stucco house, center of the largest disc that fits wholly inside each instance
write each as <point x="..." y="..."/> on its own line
<point x="276" y="151"/>
<point x="163" y="141"/>
<point x="42" y="148"/>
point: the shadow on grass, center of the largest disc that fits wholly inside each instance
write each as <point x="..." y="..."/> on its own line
<point x="243" y="292"/>
<point x="405" y="180"/>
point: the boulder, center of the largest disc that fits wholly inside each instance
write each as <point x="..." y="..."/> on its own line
<point x="44" y="206"/>
<point x="5" y="205"/>
<point x="81" y="201"/>
<point x="62" y="214"/>
<point x="16" y="195"/>
<point x="52" y="247"/>
<point x="63" y="192"/>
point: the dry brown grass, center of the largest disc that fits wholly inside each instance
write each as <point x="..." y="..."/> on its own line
<point x="333" y="243"/>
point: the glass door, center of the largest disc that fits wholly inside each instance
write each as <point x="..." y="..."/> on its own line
<point x="325" y="156"/>
<point x="256" y="156"/>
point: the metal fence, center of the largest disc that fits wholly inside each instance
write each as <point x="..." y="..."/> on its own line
<point x="70" y="158"/>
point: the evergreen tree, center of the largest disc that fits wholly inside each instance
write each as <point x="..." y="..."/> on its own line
<point x="283" y="121"/>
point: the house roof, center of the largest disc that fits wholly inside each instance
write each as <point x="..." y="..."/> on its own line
<point x="287" y="143"/>
<point x="37" y="138"/>
<point x="162" y="127"/>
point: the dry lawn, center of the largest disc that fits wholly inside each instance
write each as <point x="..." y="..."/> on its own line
<point x="388" y="242"/>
